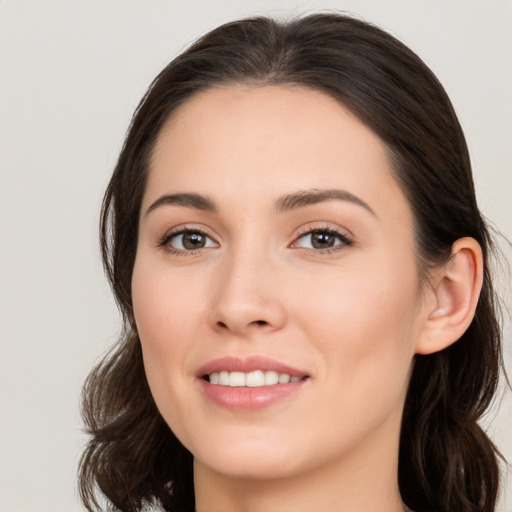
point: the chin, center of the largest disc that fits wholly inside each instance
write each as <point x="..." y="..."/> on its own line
<point x="257" y="468"/>
<point x="248" y="459"/>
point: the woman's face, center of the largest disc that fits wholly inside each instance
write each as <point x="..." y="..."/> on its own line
<point x="275" y="245"/>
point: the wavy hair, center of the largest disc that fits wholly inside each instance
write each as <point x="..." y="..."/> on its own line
<point x="446" y="461"/>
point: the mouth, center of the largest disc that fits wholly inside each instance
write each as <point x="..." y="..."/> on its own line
<point x="250" y="384"/>
<point x="253" y="379"/>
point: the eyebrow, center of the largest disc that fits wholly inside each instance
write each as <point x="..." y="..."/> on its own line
<point x="189" y="200"/>
<point x="304" y="198"/>
<point x="285" y="203"/>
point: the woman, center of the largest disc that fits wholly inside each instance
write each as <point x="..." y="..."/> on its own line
<point x="292" y="236"/>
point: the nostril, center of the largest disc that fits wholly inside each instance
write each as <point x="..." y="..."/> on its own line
<point x="228" y="326"/>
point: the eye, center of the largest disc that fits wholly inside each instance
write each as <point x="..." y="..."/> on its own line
<point x="187" y="240"/>
<point x="322" y="239"/>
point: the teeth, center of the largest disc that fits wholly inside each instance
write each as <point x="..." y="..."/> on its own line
<point x="255" y="379"/>
<point x="284" y="378"/>
<point x="236" y="379"/>
<point x="252" y="379"/>
<point x="271" y="378"/>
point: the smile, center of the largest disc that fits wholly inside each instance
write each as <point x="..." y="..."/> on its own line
<point x="251" y="383"/>
<point x="253" y="379"/>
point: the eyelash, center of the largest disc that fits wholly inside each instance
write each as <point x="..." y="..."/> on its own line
<point x="346" y="241"/>
<point x="166" y="239"/>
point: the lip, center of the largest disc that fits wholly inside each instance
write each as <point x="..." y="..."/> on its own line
<point x="248" y="364"/>
<point x="249" y="398"/>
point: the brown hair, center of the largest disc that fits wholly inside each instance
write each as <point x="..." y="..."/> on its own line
<point x="446" y="461"/>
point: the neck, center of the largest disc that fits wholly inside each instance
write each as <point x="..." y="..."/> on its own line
<point x="360" y="482"/>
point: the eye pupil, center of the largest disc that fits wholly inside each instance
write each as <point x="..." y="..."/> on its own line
<point x="193" y="240"/>
<point x="322" y="240"/>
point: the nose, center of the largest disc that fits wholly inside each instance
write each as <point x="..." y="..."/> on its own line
<point x="247" y="296"/>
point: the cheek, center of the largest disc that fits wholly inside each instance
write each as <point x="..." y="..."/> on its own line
<point x="364" y="331"/>
<point x="363" y="322"/>
<point x="163" y="306"/>
<point x="164" y="314"/>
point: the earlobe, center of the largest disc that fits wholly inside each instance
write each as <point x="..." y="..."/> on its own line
<point x="456" y="288"/>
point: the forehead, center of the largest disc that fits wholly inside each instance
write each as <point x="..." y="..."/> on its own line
<point x="262" y="141"/>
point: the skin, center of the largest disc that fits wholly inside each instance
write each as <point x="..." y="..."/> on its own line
<point x="352" y="318"/>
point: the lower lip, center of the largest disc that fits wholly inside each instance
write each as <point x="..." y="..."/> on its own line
<point x="246" y="398"/>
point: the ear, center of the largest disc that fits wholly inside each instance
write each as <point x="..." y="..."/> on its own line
<point x="455" y="290"/>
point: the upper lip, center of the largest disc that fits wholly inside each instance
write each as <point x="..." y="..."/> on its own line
<point x="248" y="364"/>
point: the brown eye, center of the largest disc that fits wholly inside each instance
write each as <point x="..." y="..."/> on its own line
<point x="193" y="240"/>
<point x="322" y="239"/>
<point x="189" y="240"/>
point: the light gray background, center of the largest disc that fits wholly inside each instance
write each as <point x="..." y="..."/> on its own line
<point x="71" y="74"/>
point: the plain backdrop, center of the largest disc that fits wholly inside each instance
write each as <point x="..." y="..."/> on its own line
<point x="71" y="74"/>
